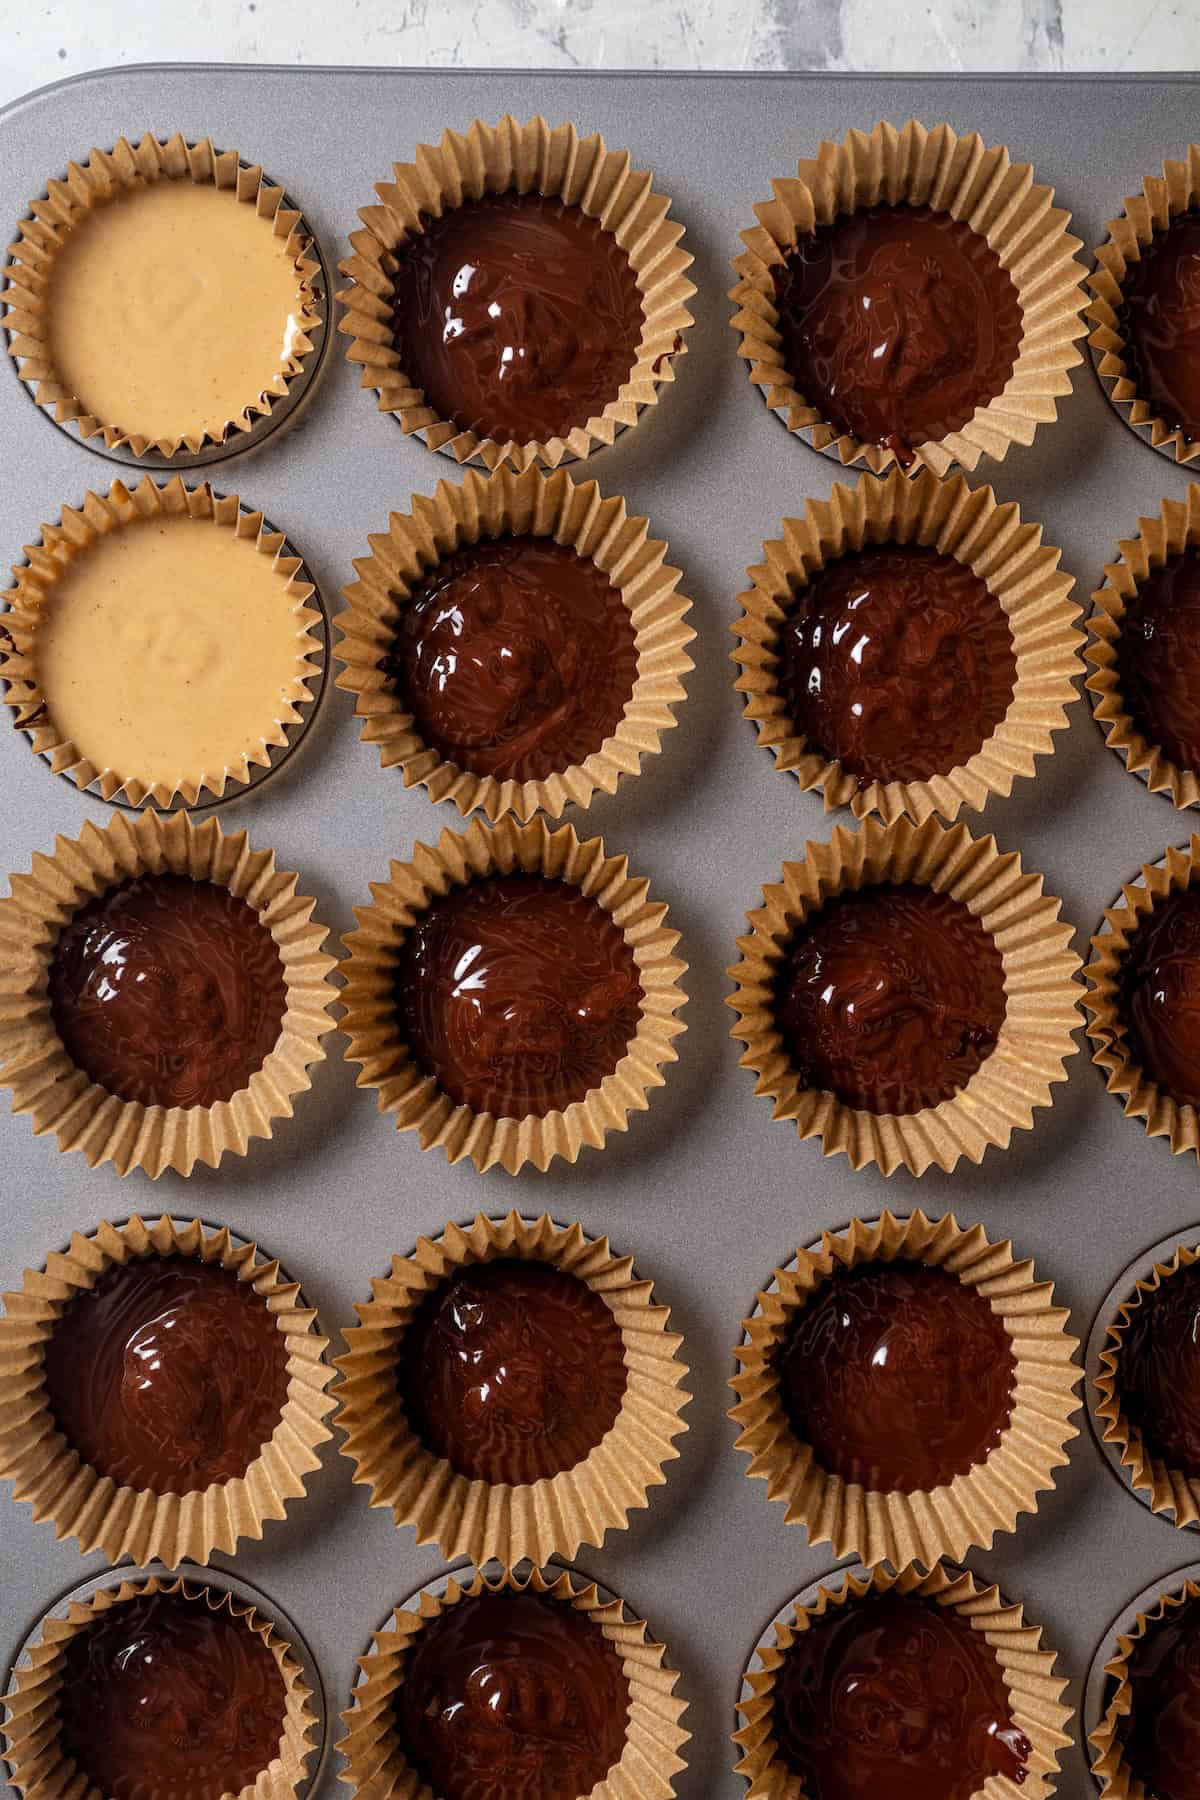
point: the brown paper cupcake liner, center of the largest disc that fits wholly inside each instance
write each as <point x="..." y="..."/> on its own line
<point x="40" y="1767"/>
<point x="1174" y="530"/>
<point x="414" y="1099"/>
<point x="895" y="1528"/>
<point x="377" y="1768"/>
<point x="1162" y="198"/>
<point x="1040" y="993"/>
<point x="1142" y="1098"/>
<point x="544" y="506"/>
<point x="1034" y="1690"/>
<point x="49" y="1475"/>
<point x="103" y="178"/>
<point x="55" y="555"/>
<point x="33" y="1063"/>
<point x="957" y="175"/>
<point x="480" y="1519"/>
<point x="1116" y="1779"/>
<point x="1021" y="574"/>
<point x="530" y="158"/>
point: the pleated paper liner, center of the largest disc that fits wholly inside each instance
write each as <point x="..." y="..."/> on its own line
<point x="497" y="159"/>
<point x="1175" y="529"/>
<point x="1000" y="200"/>
<point x="1141" y="1097"/>
<point x="1034" y="1690"/>
<point x="480" y="1519"/>
<point x="890" y="1527"/>
<point x="1021" y="574"/>
<point x="478" y="508"/>
<point x="1162" y="199"/>
<point x="103" y="179"/>
<point x="376" y="1766"/>
<point x="58" y="551"/>
<point x="1041" y="988"/>
<point x="58" y="1095"/>
<point x="48" y="1473"/>
<point x="1116" y="1779"/>
<point x="414" y="1100"/>
<point x="42" y="1770"/>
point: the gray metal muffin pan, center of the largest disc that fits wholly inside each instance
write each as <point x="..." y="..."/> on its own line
<point x="707" y="1192"/>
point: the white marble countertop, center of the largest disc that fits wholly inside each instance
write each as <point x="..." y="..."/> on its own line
<point x="43" y="43"/>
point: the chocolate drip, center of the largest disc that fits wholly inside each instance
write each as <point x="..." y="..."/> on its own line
<point x="1159" y="319"/>
<point x="1161" y="1735"/>
<point x="1158" y="658"/>
<point x="1158" y="1370"/>
<point x="1158" y="996"/>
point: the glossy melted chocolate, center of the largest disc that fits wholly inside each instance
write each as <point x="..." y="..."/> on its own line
<point x="895" y="1696"/>
<point x="169" y="1374"/>
<point x="512" y="1371"/>
<point x="1158" y="659"/>
<point x="898" y="1376"/>
<point x="1158" y="1371"/>
<point x="897" y="323"/>
<point x="516" y="658"/>
<point x="164" y="1696"/>
<point x="898" y="663"/>
<point x="890" y="998"/>
<point x="1159" y="318"/>
<point x="513" y="1697"/>
<point x="167" y="991"/>
<point x="1158" y="996"/>
<point x="1160" y="1736"/>
<point x="518" y="317"/>
<point x="518" y="994"/>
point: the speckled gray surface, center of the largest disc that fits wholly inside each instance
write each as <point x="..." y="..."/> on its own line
<point x="705" y="1190"/>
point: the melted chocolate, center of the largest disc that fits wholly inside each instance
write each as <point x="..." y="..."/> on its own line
<point x="1158" y="995"/>
<point x="896" y="323"/>
<point x="897" y="663"/>
<point x="890" y="998"/>
<point x="162" y="1695"/>
<point x="512" y="1371"/>
<point x="1159" y="318"/>
<point x="518" y="317"/>
<point x="1158" y="1371"/>
<point x="168" y="991"/>
<point x="898" y="1376"/>
<point x="1160" y="1737"/>
<point x="513" y="1697"/>
<point x="516" y="658"/>
<point x="897" y="1696"/>
<point x="1158" y="659"/>
<point x="169" y="1374"/>
<point x="518" y="994"/>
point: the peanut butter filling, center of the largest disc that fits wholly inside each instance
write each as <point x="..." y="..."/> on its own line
<point x="172" y="309"/>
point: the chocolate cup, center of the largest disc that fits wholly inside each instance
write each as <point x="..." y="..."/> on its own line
<point x="58" y="1094"/>
<point x="486" y="1520"/>
<point x="957" y="175"/>
<point x="497" y="159"/>
<point x="478" y="508"/>
<point x="1109" y="1768"/>
<point x="375" y="1759"/>
<point x="1034" y="1689"/>
<point x="1020" y="572"/>
<point x="414" y="1099"/>
<point x="105" y="174"/>
<point x="919" y="1527"/>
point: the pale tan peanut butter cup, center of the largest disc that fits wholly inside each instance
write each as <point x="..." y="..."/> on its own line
<point x="42" y="1770"/>
<point x="414" y="1099"/>
<point x="900" y="1528"/>
<point x="508" y="1522"/>
<point x="163" y="297"/>
<point x="1169" y="1489"/>
<point x="1041" y="991"/>
<point x="1110" y="1768"/>
<point x="158" y="644"/>
<point x="983" y="187"/>
<point x="1034" y="1689"/>
<point x="58" y="1095"/>
<point x="1021" y="574"/>
<point x="534" y="158"/>
<point x="459" y="515"/>
<point x="376" y="1765"/>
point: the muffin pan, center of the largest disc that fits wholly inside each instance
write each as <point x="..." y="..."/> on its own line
<point x="707" y="1191"/>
